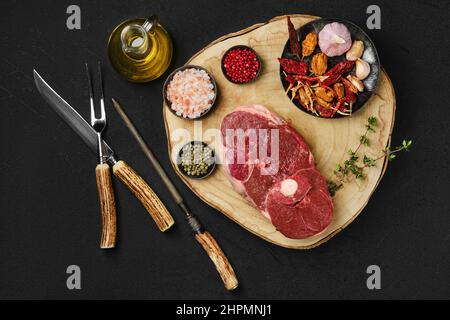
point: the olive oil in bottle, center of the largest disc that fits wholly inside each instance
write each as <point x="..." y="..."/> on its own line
<point x="140" y="50"/>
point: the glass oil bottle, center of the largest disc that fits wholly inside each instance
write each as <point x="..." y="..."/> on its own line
<point x="140" y="50"/>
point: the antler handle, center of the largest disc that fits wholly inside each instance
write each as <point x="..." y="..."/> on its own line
<point x="219" y="259"/>
<point x="107" y="205"/>
<point x="145" y="194"/>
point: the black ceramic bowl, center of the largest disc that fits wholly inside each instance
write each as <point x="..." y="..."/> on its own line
<point x="211" y="167"/>
<point x="225" y="72"/>
<point x="169" y="78"/>
<point x="370" y="55"/>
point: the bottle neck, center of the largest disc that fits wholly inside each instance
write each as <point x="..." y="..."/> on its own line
<point x="135" y="41"/>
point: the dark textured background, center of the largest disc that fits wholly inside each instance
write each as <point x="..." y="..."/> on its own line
<point x="49" y="216"/>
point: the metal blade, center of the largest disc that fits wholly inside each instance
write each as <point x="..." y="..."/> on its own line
<point x="71" y="117"/>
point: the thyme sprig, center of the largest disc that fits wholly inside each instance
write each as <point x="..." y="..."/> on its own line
<point x="354" y="166"/>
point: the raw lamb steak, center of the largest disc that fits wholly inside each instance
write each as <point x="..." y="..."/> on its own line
<point x="294" y="195"/>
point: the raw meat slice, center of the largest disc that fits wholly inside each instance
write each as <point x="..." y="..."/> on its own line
<point x="309" y="212"/>
<point x="281" y="182"/>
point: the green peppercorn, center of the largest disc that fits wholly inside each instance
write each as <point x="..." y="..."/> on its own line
<point x="196" y="159"/>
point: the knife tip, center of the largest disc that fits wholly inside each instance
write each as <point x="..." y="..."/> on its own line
<point x="36" y="77"/>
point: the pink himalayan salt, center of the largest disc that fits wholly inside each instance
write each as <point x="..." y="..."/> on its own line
<point x="190" y="92"/>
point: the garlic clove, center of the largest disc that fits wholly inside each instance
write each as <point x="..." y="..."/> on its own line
<point x="362" y="69"/>
<point x="356" y="82"/>
<point x="336" y="39"/>
<point x="356" y="51"/>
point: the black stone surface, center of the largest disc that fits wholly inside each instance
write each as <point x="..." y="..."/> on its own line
<point x="49" y="216"/>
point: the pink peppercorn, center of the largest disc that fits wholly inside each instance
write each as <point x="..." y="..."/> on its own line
<point x="241" y="65"/>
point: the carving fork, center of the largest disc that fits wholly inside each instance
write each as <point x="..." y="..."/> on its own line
<point x="102" y="171"/>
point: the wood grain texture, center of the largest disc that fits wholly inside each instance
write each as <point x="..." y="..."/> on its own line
<point x="328" y="139"/>
<point x="145" y="194"/>
<point x="219" y="259"/>
<point x="107" y="206"/>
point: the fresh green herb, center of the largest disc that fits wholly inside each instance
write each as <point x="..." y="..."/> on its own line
<point x="391" y="153"/>
<point x="372" y="122"/>
<point x="352" y="167"/>
<point x="368" y="161"/>
<point x="333" y="187"/>
<point x="364" y="140"/>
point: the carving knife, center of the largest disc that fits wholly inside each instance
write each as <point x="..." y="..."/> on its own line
<point x="121" y="169"/>
<point x="203" y="237"/>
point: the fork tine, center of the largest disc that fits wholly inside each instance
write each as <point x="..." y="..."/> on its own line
<point x="91" y="94"/>
<point x="102" y="97"/>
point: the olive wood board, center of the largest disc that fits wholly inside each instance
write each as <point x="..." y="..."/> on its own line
<point x="329" y="139"/>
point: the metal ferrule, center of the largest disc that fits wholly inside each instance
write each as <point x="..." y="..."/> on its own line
<point x="194" y="223"/>
<point x="111" y="160"/>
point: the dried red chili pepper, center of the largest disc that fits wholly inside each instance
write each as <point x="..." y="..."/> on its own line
<point x="341" y="67"/>
<point x="293" y="66"/>
<point x="324" y="112"/>
<point x="350" y="95"/>
<point x="293" y="39"/>
<point x="334" y="74"/>
<point x="340" y="105"/>
<point x="291" y="79"/>
<point x="305" y="79"/>
<point x="331" y="79"/>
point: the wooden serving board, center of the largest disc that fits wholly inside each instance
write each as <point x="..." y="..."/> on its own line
<point x="328" y="139"/>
